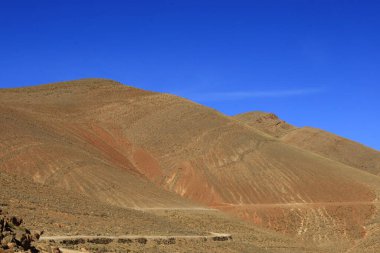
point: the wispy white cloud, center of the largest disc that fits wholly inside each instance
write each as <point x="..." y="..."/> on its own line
<point x="240" y="95"/>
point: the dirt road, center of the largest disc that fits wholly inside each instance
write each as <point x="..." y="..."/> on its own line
<point x="211" y="235"/>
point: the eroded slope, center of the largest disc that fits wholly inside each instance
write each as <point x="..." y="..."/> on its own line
<point x="59" y="212"/>
<point x="335" y="147"/>
<point x="135" y="148"/>
<point x="315" y="140"/>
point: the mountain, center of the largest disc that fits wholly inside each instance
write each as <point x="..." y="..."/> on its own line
<point x="335" y="147"/>
<point x="316" y="140"/>
<point x="267" y="122"/>
<point x="132" y="148"/>
<point x="59" y="212"/>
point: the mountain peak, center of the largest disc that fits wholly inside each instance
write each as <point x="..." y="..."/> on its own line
<point x="267" y="122"/>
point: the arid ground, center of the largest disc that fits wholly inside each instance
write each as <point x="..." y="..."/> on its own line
<point x="103" y="166"/>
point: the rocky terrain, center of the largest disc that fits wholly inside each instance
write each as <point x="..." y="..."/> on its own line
<point x="134" y="162"/>
<point x="13" y="237"/>
<point x="266" y="122"/>
<point x="63" y="213"/>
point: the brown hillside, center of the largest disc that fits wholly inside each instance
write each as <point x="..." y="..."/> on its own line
<point x="266" y="122"/>
<point x="60" y="212"/>
<point x="336" y="148"/>
<point x="130" y="147"/>
<point x="315" y="140"/>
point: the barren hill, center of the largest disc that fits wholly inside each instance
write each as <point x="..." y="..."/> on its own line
<point x="336" y="148"/>
<point x="64" y="213"/>
<point x="316" y="140"/>
<point x="134" y="148"/>
<point x="266" y="122"/>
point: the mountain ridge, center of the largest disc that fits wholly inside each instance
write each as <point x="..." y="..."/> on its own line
<point x="316" y="140"/>
<point x="134" y="148"/>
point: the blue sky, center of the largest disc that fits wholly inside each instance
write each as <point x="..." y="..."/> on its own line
<point x="314" y="63"/>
